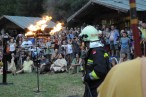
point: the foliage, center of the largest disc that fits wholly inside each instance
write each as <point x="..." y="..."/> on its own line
<point x="21" y="7"/>
<point x="29" y="7"/>
<point x="7" y="7"/>
<point x="62" y="9"/>
<point x="59" y="9"/>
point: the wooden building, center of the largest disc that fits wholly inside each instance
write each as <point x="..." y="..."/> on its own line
<point x="107" y="12"/>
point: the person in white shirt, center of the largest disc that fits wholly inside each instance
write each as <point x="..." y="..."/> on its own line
<point x="12" y="45"/>
<point x="26" y="43"/>
<point x="60" y="65"/>
<point x="12" y="49"/>
<point x="68" y="48"/>
<point x="69" y="52"/>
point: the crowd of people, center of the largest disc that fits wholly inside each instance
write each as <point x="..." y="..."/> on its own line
<point x="64" y="51"/>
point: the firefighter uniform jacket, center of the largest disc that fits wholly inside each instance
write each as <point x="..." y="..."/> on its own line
<point x="96" y="66"/>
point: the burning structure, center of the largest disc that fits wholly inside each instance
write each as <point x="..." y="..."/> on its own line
<point x="40" y="26"/>
<point x="20" y="24"/>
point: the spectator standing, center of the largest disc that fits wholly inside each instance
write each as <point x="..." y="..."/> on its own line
<point x="56" y="46"/>
<point x="69" y="52"/>
<point x="76" y="46"/>
<point x="48" y="45"/>
<point x="125" y="44"/>
<point x="19" y="37"/>
<point x="70" y="35"/>
<point x="106" y="36"/>
<point x="143" y="36"/>
<point x="143" y="30"/>
<point x="12" y="48"/>
<point x="114" y="38"/>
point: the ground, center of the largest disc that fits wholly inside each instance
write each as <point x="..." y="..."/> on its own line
<point x="55" y="85"/>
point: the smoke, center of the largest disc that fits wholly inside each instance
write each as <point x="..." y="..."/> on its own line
<point x="56" y="9"/>
<point x="49" y="6"/>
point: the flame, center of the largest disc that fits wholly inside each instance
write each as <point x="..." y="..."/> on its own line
<point x="32" y="28"/>
<point x="57" y="28"/>
<point x="29" y="33"/>
<point x="40" y="25"/>
<point x="43" y="27"/>
<point x="48" y="18"/>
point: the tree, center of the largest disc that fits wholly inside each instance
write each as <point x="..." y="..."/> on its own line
<point x="29" y="7"/>
<point x="59" y="9"/>
<point x="62" y="9"/>
<point x="7" y="7"/>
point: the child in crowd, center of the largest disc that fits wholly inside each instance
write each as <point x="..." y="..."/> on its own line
<point x="125" y="44"/>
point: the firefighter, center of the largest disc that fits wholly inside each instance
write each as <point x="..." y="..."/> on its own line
<point x="96" y="61"/>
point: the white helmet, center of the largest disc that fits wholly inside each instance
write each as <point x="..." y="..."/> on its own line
<point x="90" y="33"/>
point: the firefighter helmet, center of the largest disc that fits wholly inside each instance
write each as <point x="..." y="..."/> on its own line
<point x="90" y="33"/>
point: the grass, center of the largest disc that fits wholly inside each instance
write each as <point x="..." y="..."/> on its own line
<point x="55" y="85"/>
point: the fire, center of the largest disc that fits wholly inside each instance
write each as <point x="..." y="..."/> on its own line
<point x="32" y="28"/>
<point x="29" y="33"/>
<point x="43" y="27"/>
<point x="57" y="28"/>
<point x="40" y="25"/>
<point x="48" y="18"/>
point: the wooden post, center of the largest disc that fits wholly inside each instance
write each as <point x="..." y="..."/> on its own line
<point x="134" y="25"/>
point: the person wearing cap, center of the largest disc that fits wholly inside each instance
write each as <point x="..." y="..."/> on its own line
<point x="96" y="61"/>
<point x="127" y="79"/>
